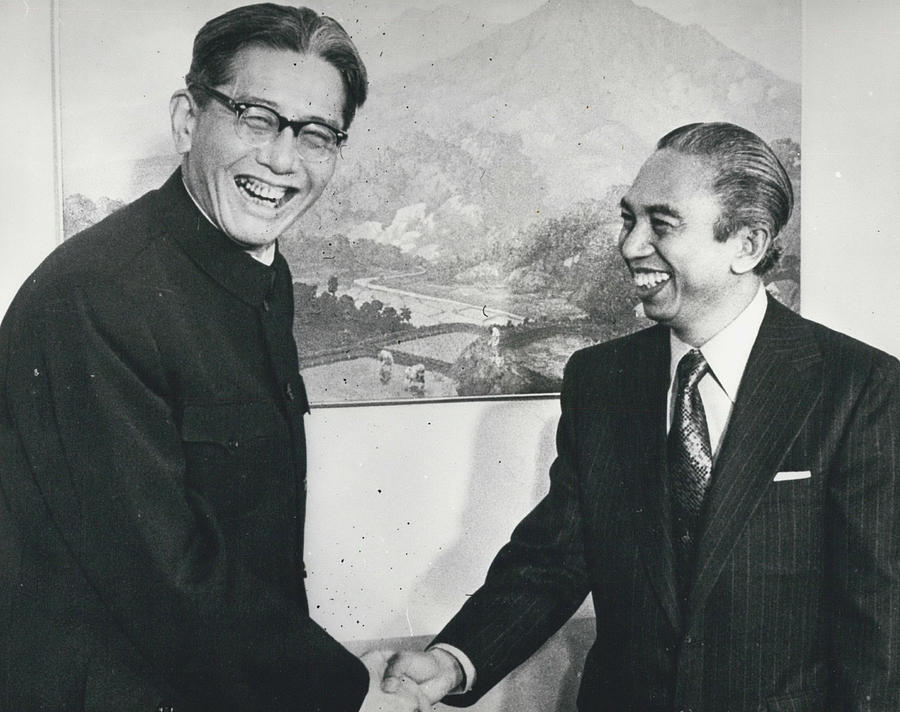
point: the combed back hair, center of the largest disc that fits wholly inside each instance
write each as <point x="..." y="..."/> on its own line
<point x="751" y="184"/>
<point x="295" y="29"/>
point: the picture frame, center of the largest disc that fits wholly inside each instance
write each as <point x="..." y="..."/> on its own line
<point x="466" y="245"/>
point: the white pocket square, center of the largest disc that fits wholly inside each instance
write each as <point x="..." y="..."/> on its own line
<point x="788" y="476"/>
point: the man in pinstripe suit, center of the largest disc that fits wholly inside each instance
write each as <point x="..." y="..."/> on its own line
<point x="789" y="595"/>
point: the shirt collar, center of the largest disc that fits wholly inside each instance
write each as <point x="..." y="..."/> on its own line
<point x="211" y="250"/>
<point x="728" y="351"/>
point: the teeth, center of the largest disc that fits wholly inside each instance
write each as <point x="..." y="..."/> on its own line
<point x="262" y="191"/>
<point x="650" y="279"/>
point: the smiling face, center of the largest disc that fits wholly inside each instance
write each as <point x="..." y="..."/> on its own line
<point x="684" y="277"/>
<point x="254" y="194"/>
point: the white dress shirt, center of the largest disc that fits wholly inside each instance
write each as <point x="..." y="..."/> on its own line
<point x="727" y="354"/>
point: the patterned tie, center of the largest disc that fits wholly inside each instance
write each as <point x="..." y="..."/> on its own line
<point x="690" y="463"/>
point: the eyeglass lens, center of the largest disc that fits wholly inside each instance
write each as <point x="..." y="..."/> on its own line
<point x="259" y="126"/>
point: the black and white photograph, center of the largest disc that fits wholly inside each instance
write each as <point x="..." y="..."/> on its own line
<point x="508" y="355"/>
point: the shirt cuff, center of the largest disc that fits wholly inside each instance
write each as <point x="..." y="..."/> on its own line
<point x="468" y="669"/>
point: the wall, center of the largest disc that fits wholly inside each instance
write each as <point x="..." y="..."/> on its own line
<point x="408" y="503"/>
<point x="851" y="172"/>
<point x="28" y="225"/>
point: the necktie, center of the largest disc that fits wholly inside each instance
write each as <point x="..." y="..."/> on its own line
<point x="690" y="463"/>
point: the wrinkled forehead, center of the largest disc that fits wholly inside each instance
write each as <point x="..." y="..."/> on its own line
<point x="292" y="82"/>
<point x="260" y="64"/>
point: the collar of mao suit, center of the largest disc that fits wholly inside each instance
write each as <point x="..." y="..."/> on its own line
<point x="211" y="250"/>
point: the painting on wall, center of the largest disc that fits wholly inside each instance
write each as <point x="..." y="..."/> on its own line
<point x="467" y="244"/>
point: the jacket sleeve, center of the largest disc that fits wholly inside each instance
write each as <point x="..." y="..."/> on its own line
<point x="864" y="548"/>
<point x="536" y="581"/>
<point x="91" y="408"/>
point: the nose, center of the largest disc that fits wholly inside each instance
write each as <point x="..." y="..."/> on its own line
<point x="635" y="243"/>
<point x="279" y="154"/>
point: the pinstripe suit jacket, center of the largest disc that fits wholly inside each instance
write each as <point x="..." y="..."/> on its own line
<point x="795" y="604"/>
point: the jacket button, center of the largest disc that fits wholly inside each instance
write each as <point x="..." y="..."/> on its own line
<point x="688" y="640"/>
<point x="289" y="392"/>
<point x="233" y="444"/>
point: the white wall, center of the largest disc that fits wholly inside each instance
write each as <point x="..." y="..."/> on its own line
<point x="851" y="167"/>
<point x="28" y="202"/>
<point x="407" y="503"/>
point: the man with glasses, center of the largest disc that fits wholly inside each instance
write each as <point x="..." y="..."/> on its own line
<point x="152" y="487"/>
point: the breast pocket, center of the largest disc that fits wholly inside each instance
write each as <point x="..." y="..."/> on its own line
<point x="231" y="424"/>
<point x="785" y="531"/>
<point x="811" y="701"/>
<point x="236" y="453"/>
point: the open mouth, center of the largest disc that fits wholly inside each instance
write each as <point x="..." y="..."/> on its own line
<point x="263" y="193"/>
<point x="648" y="282"/>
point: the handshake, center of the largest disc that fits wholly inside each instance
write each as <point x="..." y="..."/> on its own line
<point x="409" y="681"/>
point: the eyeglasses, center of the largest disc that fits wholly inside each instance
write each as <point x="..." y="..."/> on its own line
<point x="259" y="125"/>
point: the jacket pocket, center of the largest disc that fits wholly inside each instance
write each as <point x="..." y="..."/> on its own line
<point x="239" y="458"/>
<point x="807" y="701"/>
<point x="119" y="679"/>
<point x="230" y="424"/>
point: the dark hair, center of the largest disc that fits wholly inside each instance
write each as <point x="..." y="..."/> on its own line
<point x="296" y="29"/>
<point x="750" y="182"/>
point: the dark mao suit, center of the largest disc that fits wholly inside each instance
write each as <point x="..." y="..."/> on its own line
<point x="152" y="487"/>
<point x="795" y="604"/>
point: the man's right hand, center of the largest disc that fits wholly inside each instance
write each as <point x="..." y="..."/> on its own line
<point x="436" y="671"/>
<point x="405" y="695"/>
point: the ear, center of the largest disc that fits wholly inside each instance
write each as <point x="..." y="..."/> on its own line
<point x="751" y="244"/>
<point x="183" y="114"/>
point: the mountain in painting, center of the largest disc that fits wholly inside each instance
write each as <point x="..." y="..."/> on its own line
<point x="500" y="126"/>
<point x="537" y="116"/>
<point x="418" y="37"/>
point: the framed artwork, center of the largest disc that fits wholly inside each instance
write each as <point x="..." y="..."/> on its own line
<point x="467" y="244"/>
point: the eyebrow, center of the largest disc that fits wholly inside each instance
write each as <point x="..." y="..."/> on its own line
<point x="663" y="209"/>
<point x="656" y="208"/>
<point x="265" y="103"/>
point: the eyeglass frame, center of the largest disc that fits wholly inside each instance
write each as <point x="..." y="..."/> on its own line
<point x="239" y="107"/>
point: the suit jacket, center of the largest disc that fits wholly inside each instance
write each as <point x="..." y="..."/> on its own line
<point x="152" y="485"/>
<point x="795" y="604"/>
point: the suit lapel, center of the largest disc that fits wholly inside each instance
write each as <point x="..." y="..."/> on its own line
<point x="642" y="401"/>
<point x="780" y="385"/>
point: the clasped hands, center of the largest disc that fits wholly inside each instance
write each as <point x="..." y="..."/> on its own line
<point x="409" y="681"/>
